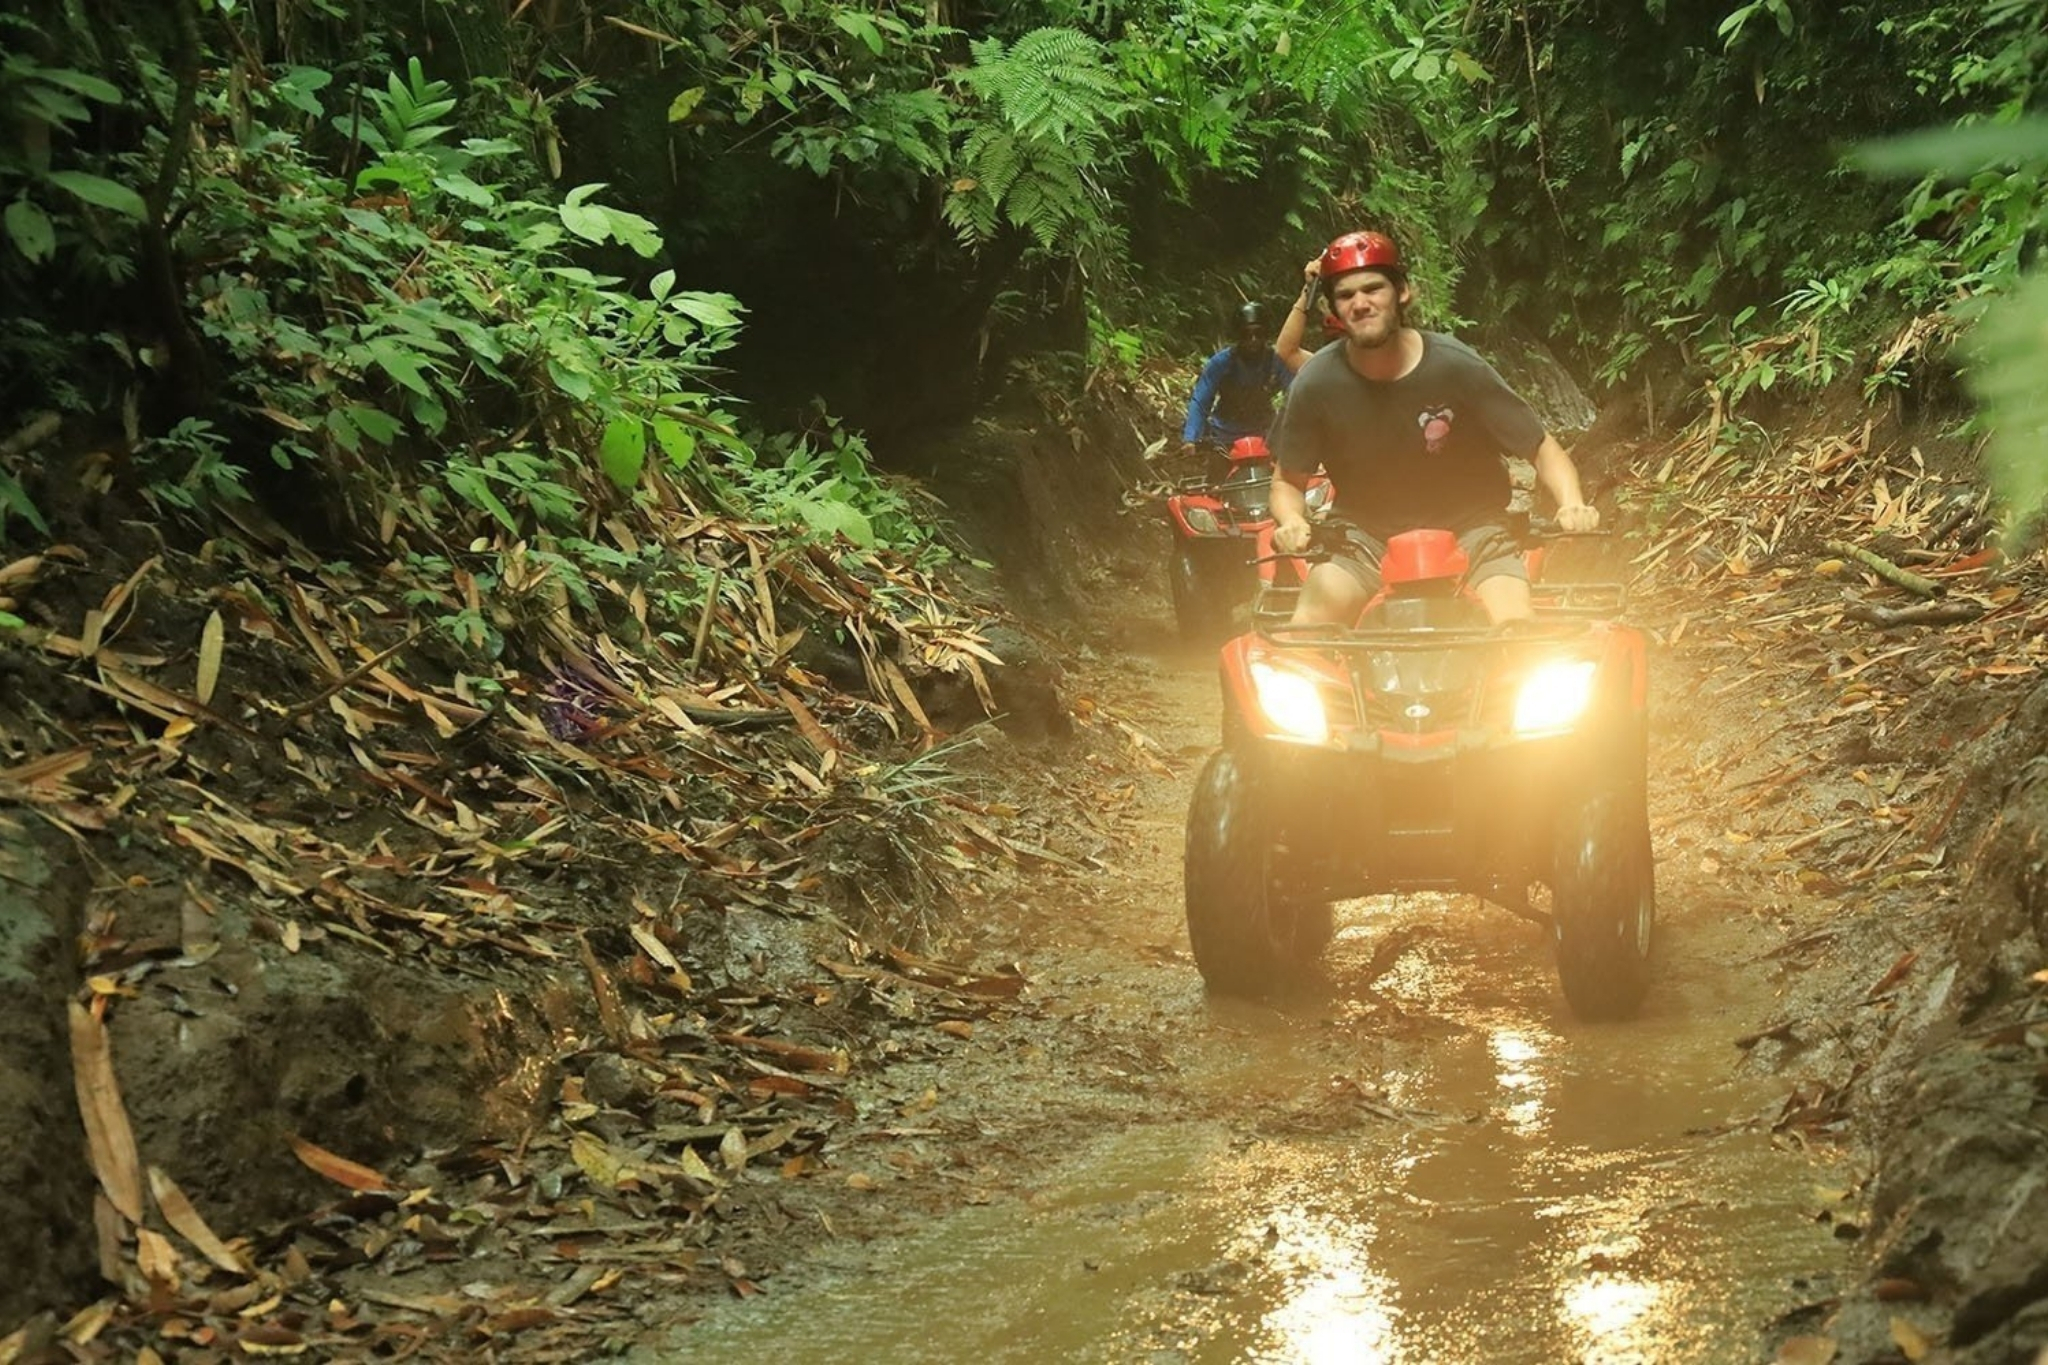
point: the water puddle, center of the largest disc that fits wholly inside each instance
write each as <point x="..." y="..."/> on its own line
<point x="1478" y="1180"/>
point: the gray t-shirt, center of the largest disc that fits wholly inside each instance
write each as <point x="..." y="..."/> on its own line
<point x="1421" y="450"/>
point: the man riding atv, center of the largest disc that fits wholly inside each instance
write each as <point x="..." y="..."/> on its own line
<point x="1410" y="427"/>
<point x="1233" y="396"/>
<point x="1392" y="738"/>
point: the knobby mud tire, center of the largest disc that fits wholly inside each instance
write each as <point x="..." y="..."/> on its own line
<point x="1248" y="937"/>
<point x="1604" y="904"/>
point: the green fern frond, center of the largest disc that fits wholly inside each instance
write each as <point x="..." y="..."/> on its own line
<point x="1053" y="83"/>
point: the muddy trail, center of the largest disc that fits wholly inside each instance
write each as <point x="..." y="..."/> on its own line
<point x="1423" y="1157"/>
<point x="1003" y="1118"/>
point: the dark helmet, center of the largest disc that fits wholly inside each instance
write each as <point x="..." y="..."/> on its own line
<point x="1251" y="317"/>
<point x="1362" y="251"/>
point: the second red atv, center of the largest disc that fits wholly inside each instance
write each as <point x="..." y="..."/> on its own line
<point x="1216" y="522"/>
<point x="1425" y="749"/>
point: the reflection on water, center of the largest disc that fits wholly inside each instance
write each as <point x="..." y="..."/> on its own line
<point x="1606" y="1307"/>
<point x="1519" y="1189"/>
<point x="1336" y="1308"/>
<point x="1513" y="1052"/>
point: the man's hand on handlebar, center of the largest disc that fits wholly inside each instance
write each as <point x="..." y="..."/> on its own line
<point x="1584" y="517"/>
<point x="1292" y="536"/>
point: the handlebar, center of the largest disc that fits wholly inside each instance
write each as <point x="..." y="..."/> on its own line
<point x="1324" y="538"/>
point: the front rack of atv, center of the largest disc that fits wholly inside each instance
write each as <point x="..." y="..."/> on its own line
<point x="1274" y="605"/>
<point x="1347" y="638"/>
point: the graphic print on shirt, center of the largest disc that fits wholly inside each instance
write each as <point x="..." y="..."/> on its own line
<point x="1436" y="427"/>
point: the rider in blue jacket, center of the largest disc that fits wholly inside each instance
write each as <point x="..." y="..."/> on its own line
<point x="1234" y="396"/>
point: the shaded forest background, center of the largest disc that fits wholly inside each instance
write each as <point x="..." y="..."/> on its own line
<point x="477" y="264"/>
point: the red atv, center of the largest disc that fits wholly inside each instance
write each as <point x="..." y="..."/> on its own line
<point x="1216" y="523"/>
<point x="1427" y="750"/>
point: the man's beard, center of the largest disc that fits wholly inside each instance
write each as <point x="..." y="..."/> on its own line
<point x="1386" y="327"/>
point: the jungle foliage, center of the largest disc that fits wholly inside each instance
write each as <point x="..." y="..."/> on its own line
<point x="493" y="250"/>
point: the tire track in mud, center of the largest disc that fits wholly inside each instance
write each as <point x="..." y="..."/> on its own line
<point x="1421" y="1157"/>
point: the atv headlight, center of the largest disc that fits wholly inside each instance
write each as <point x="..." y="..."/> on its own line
<point x="1200" y="520"/>
<point x="1317" y="496"/>
<point x="1293" y="703"/>
<point x="1554" y="697"/>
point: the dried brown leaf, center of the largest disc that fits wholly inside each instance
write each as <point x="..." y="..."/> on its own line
<point x="339" y="1169"/>
<point x="807" y="723"/>
<point x="1894" y="976"/>
<point x="900" y="686"/>
<point x="606" y="1168"/>
<point x="185" y="1219"/>
<point x="109" y="1138"/>
<point x="212" y="640"/>
<point x="795" y="1056"/>
<point x="49" y="771"/>
<point x="1911" y="1341"/>
<point x="158" y="1259"/>
<point x="655" y="948"/>
<point x="119" y="595"/>
<point x="1806" y="1350"/>
<point x="270" y="1339"/>
<point x="732" y="1150"/>
<point x="110" y="1230"/>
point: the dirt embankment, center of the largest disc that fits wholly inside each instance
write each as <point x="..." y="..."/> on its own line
<point x="465" y="954"/>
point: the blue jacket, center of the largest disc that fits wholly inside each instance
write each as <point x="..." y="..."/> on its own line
<point x="1233" y="398"/>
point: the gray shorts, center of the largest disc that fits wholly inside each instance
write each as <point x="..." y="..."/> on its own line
<point x="1489" y="551"/>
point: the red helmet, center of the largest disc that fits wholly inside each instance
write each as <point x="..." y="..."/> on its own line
<point x="1362" y="251"/>
<point x="1246" y="448"/>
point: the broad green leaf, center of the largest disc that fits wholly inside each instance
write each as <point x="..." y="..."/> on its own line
<point x="465" y="189"/>
<point x="630" y="230"/>
<point x="344" y="430"/>
<point x="1957" y="150"/>
<point x="402" y="364"/>
<point x="685" y="104"/>
<point x="861" y="27"/>
<point x="570" y="380"/>
<point x="623" y="451"/>
<point x="97" y="189"/>
<point x="296" y="88"/>
<point x="713" y="310"/>
<point x="377" y="424"/>
<point x="1469" y="67"/>
<point x="2008" y="350"/>
<point x="473" y="487"/>
<point x="427" y="410"/>
<point x="829" y="517"/>
<point x="591" y="224"/>
<point x="79" y="82"/>
<point x="15" y="501"/>
<point x="675" y="440"/>
<point x="29" y="228"/>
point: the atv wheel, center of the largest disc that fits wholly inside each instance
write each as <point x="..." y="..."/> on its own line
<point x="1249" y="937"/>
<point x="1195" y="607"/>
<point x="1604" y="905"/>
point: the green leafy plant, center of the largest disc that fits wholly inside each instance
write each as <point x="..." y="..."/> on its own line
<point x="1047" y="107"/>
<point x="46" y="105"/>
<point x="190" y="465"/>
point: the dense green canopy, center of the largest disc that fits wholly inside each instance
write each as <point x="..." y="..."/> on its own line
<point x="324" y="236"/>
